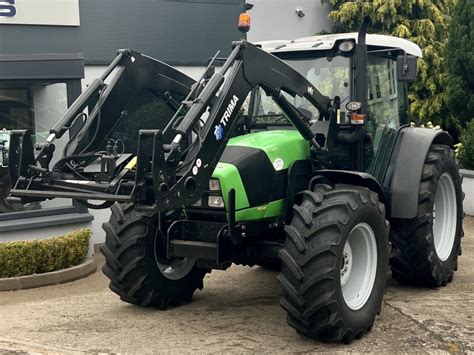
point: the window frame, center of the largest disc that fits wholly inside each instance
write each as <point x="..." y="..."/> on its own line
<point x="41" y="71"/>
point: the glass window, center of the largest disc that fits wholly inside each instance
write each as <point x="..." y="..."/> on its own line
<point x="145" y="111"/>
<point x="36" y="107"/>
<point x="383" y="94"/>
<point x="330" y="75"/>
<point x="386" y="107"/>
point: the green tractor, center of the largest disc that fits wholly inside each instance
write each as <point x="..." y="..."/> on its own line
<point x="296" y="155"/>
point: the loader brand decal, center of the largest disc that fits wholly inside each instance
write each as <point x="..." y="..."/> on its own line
<point x="219" y="129"/>
<point x="219" y="132"/>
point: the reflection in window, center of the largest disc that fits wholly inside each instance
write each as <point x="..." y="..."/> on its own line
<point x="329" y="75"/>
<point x="145" y="111"/>
<point x="35" y="107"/>
<point x="386" y="106"/>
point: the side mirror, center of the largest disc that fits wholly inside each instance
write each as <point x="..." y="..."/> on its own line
<point x="406" y="68"/>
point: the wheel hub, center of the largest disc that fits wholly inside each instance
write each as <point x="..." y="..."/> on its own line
<point x="173" y="269"/>
<point x="176" y="269"/>
<point x="346" y="265"/>
<point x="358" y="266"/>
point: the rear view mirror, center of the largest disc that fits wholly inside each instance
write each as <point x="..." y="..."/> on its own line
<point x="406" y="68"/>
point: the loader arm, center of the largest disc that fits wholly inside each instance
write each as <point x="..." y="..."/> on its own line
<point x="182" y="184"/>
<point x="173" y="163"/>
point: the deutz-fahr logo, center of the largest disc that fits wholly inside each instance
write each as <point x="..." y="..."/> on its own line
<point x="7" y="8"/>
<point x="219" y="129"/>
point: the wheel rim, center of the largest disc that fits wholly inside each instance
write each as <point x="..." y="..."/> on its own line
<point x="359" y="266"/>
<point x="444" y="217"/>
<point x="173" y="269"/>
<point x="177" y="268"/>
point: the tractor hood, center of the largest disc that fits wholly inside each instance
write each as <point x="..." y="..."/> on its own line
<point x="256" y="166"/>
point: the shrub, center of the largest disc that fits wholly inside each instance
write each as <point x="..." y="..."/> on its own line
<point x="466" y="151"/>
<point x="39" y="256"/>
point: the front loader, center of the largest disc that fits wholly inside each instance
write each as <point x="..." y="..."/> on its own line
<point x="296" y="155"/>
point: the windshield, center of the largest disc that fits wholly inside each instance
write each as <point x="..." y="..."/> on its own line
<point x="330" y="75"/>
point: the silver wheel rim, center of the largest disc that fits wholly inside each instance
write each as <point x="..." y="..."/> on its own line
<point x="359" y="266"/>
<point x="177" y="268"/>
<point x="444" y="217"/>
<point x="173" y="269"/>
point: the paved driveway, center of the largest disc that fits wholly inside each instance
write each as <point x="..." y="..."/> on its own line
<point x="237" y="311"/>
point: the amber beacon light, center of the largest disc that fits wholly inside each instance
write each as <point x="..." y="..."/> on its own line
<point x="244" y="22"/>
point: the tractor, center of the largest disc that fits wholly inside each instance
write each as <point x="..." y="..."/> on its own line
<point x="293" y="155"/>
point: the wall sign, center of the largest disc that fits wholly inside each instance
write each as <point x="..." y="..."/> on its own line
<point x="40" y="12"/>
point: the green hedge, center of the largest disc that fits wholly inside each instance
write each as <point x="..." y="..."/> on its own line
<point x="39" y="256"/>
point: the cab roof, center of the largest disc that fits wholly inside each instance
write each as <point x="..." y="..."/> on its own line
<point x="325" y="42"/>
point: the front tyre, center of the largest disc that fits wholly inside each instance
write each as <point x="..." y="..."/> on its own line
<point x="335" y="262"/>
<point x="431" y="242"/>
<point x="136" y="274"/>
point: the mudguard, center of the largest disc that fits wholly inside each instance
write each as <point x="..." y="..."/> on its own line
<point x="404" y="173"/>
<point x="353" y="178"/>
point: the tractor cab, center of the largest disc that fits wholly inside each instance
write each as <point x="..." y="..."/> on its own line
<point x="331" y="64"/>
<point x="368" y="92"/>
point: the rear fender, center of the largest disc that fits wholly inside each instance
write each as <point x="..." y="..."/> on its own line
<point x="403" y="176"/>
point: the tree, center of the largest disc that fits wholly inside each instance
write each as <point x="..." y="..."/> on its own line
<point x="423" y="22"/>
<point x="460" y="64"/>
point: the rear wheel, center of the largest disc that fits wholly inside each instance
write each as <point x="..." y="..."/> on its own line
<point x="431" y="242"/>
<point x="335" y="262"/>
<point x="136" y="272"/>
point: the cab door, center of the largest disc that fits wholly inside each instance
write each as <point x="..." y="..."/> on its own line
<point x="387" y="112"/>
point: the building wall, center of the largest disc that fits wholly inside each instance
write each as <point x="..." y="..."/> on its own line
<point x="184" y="32"/>
<point x="468" y="188"/>
<point x="277" y="19"/>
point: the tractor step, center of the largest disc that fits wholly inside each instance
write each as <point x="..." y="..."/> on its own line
<point x="192" y="249"/>
<point x="200" y="240"/>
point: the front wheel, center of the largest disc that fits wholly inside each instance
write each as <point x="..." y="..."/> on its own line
<point x="335" y="262"/>
<point x="136" y="272"/>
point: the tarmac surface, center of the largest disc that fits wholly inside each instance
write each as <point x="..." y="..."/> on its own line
<point x="238" y="311"/>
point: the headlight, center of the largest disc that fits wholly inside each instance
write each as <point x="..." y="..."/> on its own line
<point x="216" y="201"/>
<point x="214" y="185"/>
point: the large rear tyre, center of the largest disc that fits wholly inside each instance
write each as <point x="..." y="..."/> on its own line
<point x="335" y="262"/>
<point x="431" y="242"/>
<point x="136" y="274"/>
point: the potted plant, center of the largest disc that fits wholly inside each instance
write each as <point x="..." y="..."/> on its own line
<point x="465" y="154"/>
